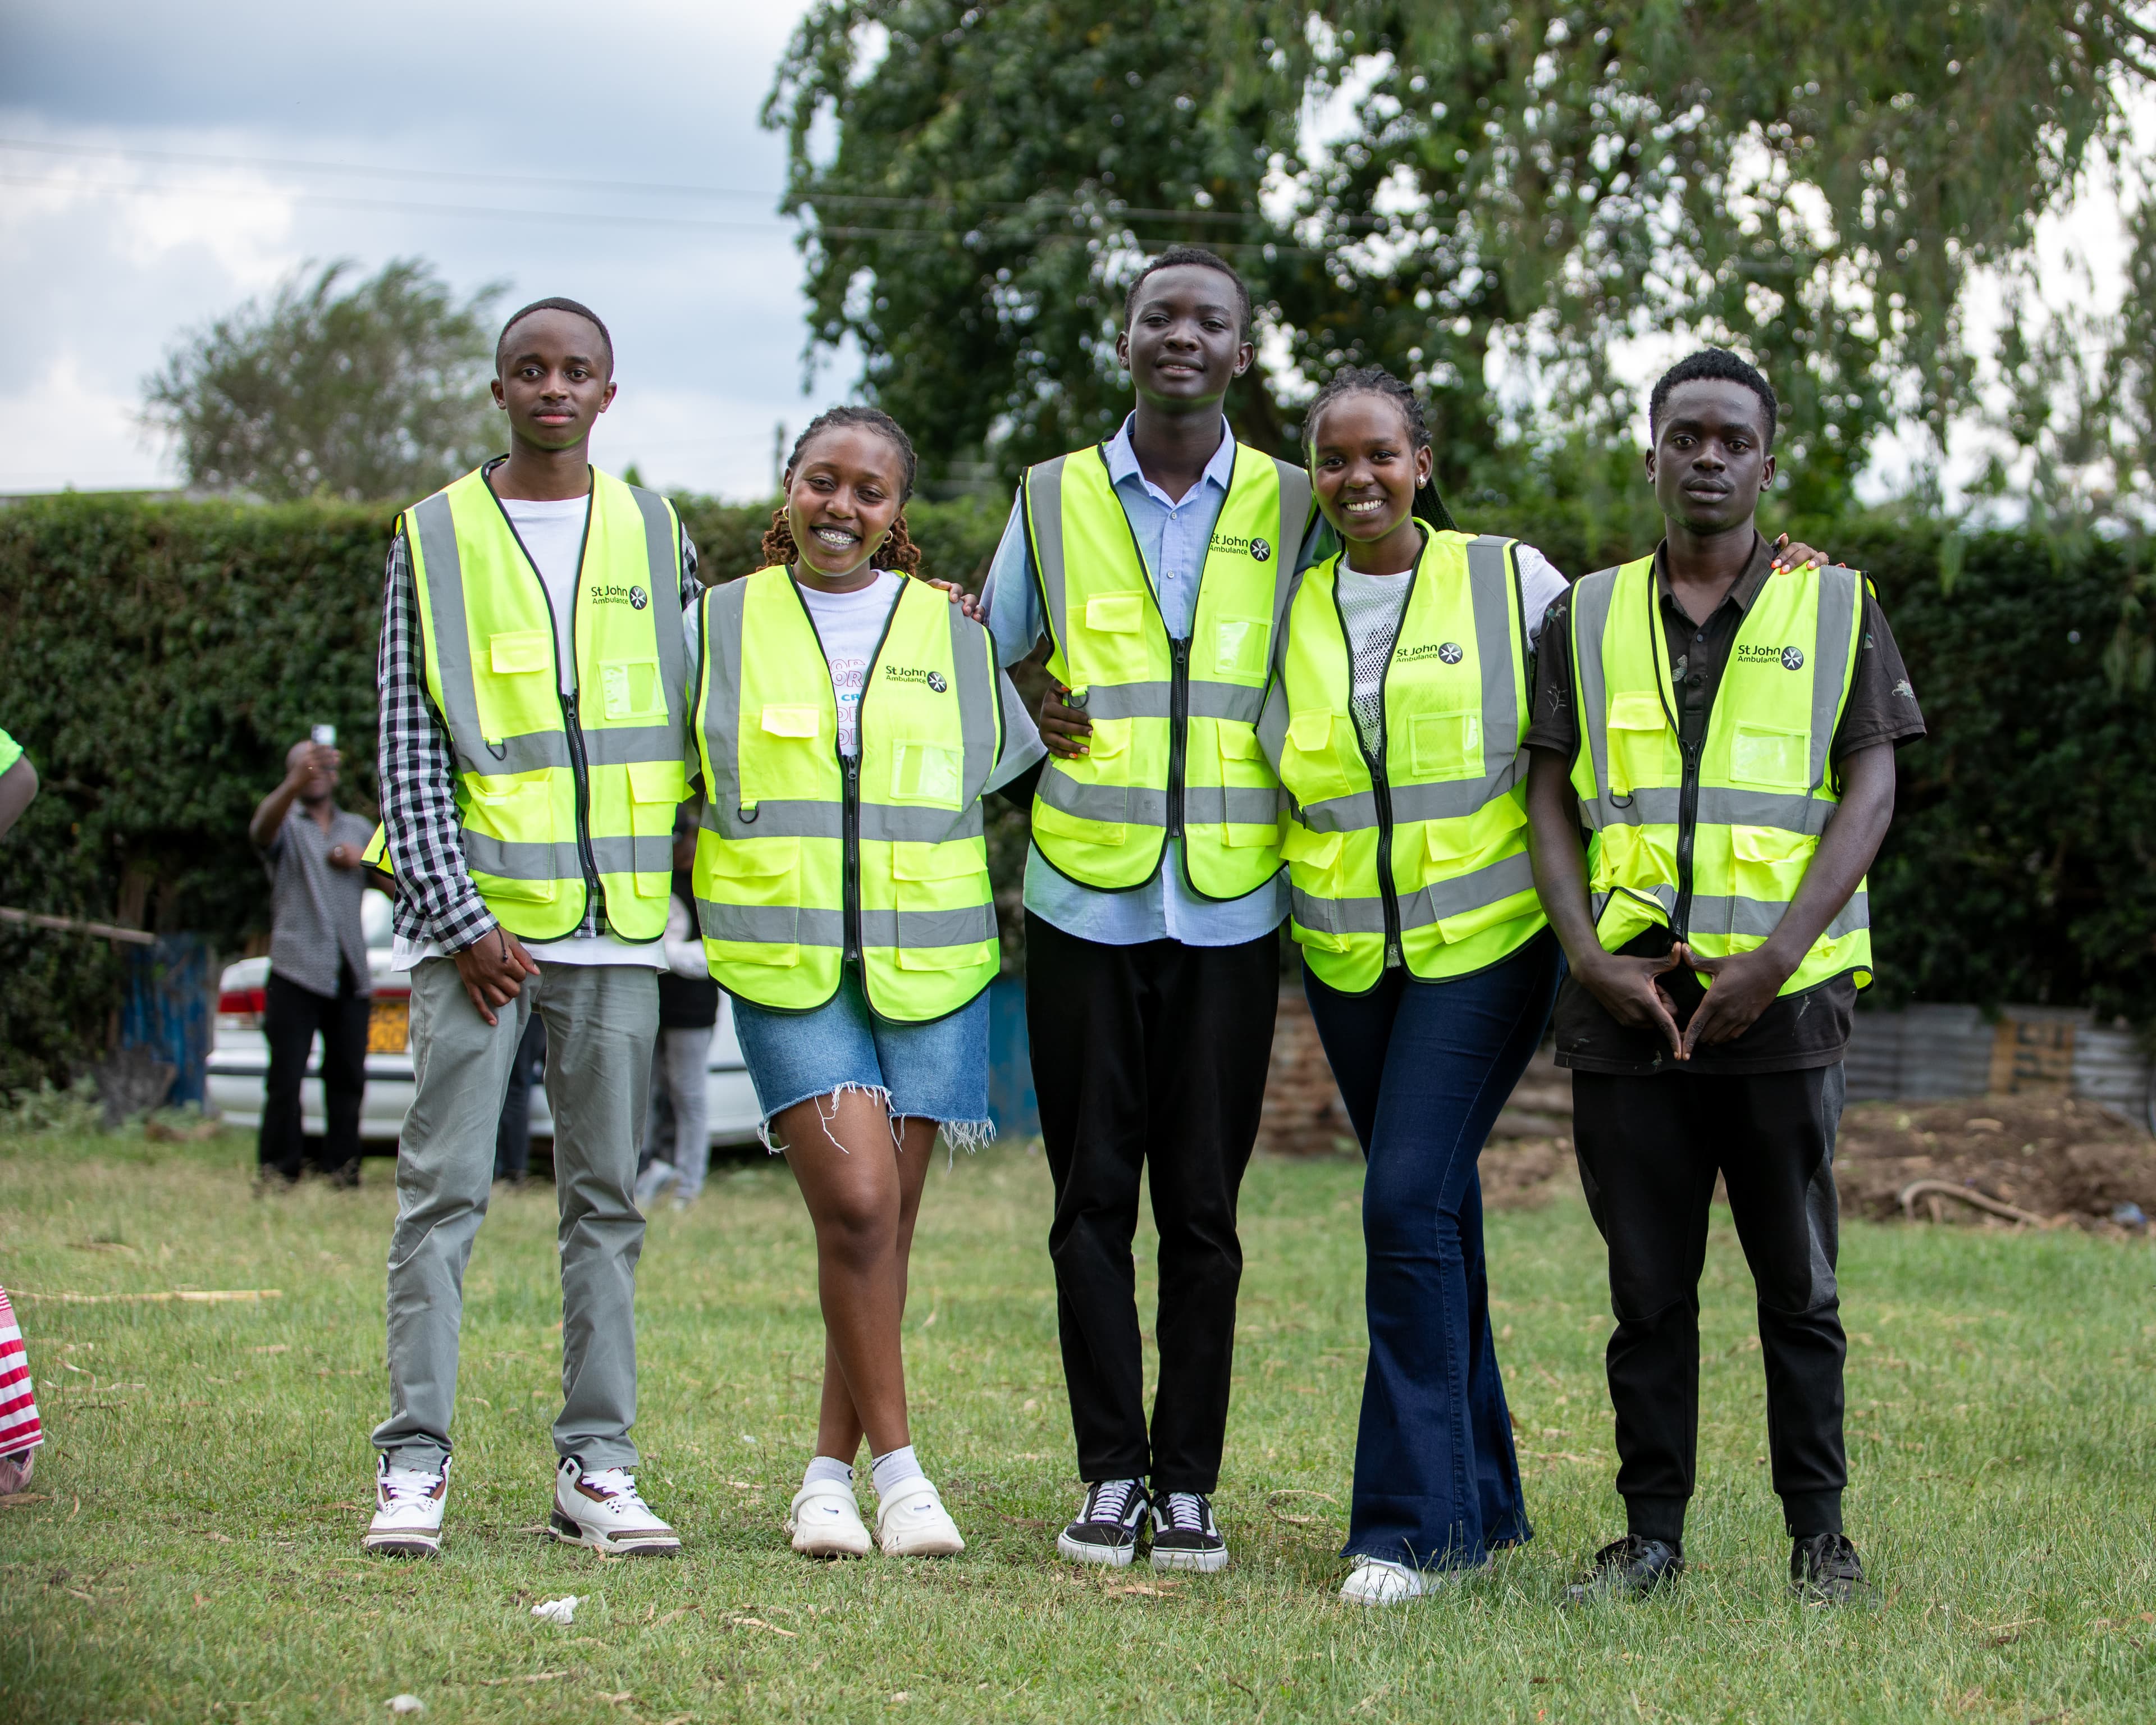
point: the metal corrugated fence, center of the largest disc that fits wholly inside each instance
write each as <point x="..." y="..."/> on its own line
<point x="1931" y="1052"/>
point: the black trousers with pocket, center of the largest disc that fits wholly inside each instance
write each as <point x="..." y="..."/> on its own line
<point x="1649" y="1150"/>
<point x="290" y="1017"/>
<point x="1149" y="1062"/>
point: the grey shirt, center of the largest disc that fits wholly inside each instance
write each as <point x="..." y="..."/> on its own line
<point x="314" y="906"/>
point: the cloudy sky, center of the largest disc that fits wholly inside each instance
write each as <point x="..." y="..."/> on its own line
<point x="150" y="177"/>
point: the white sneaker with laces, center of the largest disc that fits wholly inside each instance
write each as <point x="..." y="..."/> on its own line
<point x="912" y="1523"/>
<point x="826" y="1522"/>
<point x="408" y="1502"/>
<point x="1184" y="1534"/>
<point x="603" y="1511"/>
<point x="1377" y="1582"/>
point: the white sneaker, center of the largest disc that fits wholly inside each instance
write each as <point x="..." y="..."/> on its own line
<point x="408" y="1502"/>
<point x="602" y="1510"/>
<point x="1377" y="1582"/>
<point x="826" y="1522"/>
<point x="912" y="1523"/>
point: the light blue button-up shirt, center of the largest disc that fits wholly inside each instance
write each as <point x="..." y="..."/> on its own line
<point x="1172" y="534"/>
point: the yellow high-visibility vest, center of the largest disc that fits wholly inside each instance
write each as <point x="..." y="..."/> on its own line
<point x="806" y="855"/>
<point x="1424" y="849"/>
<point x="1174" y="746"/>
<point x="1715" y="847"/>
<point x="559" y="796"/>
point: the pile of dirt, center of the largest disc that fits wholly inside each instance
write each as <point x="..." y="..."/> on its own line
<point x="2041" y="1159"/>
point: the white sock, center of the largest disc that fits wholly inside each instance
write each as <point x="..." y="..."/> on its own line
<point x="893" y="1471"/>
<point x="826" y="1467"/>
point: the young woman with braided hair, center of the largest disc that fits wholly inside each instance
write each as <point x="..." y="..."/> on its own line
<point x="851" y="720"/>
<point x="1395" y="721"/>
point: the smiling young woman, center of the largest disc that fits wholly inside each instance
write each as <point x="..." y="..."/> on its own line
<point x="851" y="719"/>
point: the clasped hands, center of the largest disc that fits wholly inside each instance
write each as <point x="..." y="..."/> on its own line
<point x="1745" y="984"/>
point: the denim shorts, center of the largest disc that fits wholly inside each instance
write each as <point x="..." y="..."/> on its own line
<point x="936" y="1071"/>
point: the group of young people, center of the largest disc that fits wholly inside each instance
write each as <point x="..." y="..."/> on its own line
<point x="1282" y="694"/>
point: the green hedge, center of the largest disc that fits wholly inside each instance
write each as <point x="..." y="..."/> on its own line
<point x="157" y="658"/>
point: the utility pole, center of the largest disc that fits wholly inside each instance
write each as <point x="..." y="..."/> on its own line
<point x="777" y="456"/>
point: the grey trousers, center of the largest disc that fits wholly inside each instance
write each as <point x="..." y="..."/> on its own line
<point x="601" y="1021"/>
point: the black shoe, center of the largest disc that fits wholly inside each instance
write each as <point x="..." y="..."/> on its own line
<point x="1631" y="1569"/>
<point x="1825" y="1570"/>
<point x="1184" y="1534"/>
<point x="347" y="1176"/>
<point x="1105" y="1529"/>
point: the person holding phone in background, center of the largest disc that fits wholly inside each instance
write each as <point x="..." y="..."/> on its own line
<point x="318" y="979"/>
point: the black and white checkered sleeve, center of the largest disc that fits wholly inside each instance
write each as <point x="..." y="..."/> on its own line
<point x="436" y="900"/>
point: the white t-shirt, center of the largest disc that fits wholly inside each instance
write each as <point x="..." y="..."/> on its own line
<point x="553" y="535"/>
<point x="850" y="624"/>
<point x="1372" y="607"/>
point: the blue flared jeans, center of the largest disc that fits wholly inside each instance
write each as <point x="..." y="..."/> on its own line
<point x="1424" y="1069"/>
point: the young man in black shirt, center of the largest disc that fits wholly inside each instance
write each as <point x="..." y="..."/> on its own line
<point x="1730" y="846"/>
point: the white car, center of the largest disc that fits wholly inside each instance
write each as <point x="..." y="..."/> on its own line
<point x="239" y="1054"/>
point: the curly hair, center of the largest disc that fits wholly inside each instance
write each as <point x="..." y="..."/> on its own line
<point x="898" y="550"/>
<point x="1721" y="366"/>
<point x="1376" y="380"/>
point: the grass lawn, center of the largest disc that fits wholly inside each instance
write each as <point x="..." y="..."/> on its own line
<point x="194" y="1554"/>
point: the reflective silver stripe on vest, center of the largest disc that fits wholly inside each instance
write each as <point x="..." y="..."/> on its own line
<point x="441" y="609"/>
<point x="1242" y="805"/>
<point x="1489" y="590"/>
<point x="1153" y="700"/>
<point x="662" y="550"/>
<point x="1663" y="893"/>
<point x="789" y="818"/>
<point x="1830" y="678"/>
<point x="1719" y="805"/>
<point x="650" y="853"/>
<point x="719" y="717"/>
<point x="1591" y="596"/>
<point x="1762" y="917"/>
<point x="1288" y="549"/>
<point x="1042" y="491"/>
<point x="770" y="925"/>
<point x="1500" y="880"/>
<point x="915" y="930"/>
<point x="516" y="860"/>
<point x="980" y="701"/>
<point x="1123" y="805"/>
<point x="1442" y="800"/>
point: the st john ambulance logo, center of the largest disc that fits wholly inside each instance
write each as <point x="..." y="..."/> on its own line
<point x="1450" y="653"/>
<point x="638" y="598"/>
<point x="1792" y="659"/>
<point x="1261" y="550"/>
<point x="937" y="683"/>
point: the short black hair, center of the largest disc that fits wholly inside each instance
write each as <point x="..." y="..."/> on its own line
<point x="1179" y="254"/>
<point x="1718" y="365"/>
<point x="555" y="303"/>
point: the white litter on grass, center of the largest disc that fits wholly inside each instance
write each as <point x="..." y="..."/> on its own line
<point x="563" y="1611"/>
<point x="407" y="1704"/>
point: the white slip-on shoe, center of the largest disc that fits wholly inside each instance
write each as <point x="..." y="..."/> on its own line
<point x="408" y="1502"/>
<point x="602" y="1510"/>
<point x="825" y="1522"/>
<point x="912" y="1523"/>
<point x="1377" y="1582"/>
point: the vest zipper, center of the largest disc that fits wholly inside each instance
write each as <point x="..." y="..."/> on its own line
<point x="1178" y="722"/>
<point x="849" y="776"/>
<point x="1687" y="824"/>
<point x="850" y="827"/>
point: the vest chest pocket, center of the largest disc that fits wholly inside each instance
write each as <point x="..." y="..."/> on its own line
<point x="933" y="772"/>
<point x="1445" y="745"/>
<point x="1314" y="870"/>
<point x="935" y="877"/>
<point x="631" y="688"/>
<point x="1116" y="613"/>
<point x="1643" y="749"/>
<point x="1774" y="756"/>
<point x="1310" y="764"/>
<point x="514" y="695"/>
<point x="1240" y="646"/>
<point x="784" y="753"/>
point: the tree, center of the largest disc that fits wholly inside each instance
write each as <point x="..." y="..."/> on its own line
<point x="377" y="391"/>
<point x="1533" y="184"/>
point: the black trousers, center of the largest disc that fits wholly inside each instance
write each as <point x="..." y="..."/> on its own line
<point x="1649" y="1150"/>
<point x="1149" y="1060"/>
<point x="290" y="1017"/>
<point x="512" y="1133"/>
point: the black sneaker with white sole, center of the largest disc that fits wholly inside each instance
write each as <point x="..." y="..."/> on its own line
<point x="1184" y="1534"/>
<point x="1105" y="1528"/>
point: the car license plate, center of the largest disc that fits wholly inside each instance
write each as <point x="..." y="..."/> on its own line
<point x="388" y="1026"/>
